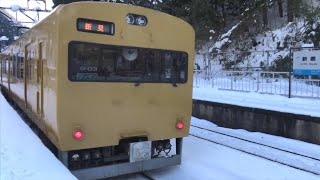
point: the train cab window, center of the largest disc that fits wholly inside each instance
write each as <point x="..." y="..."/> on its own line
<point x="4" y="66"/>
<point x="106" y="63"/>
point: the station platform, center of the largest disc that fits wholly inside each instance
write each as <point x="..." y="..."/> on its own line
<point x="296" y="118"/>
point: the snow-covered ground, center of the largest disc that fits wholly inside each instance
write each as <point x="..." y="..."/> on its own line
<point x="305" y="106"/>
<point x="292" y="145"/>
<point x="205" y="160"/>
<point x="289" y="152"/>
<point x="23" y="156"/>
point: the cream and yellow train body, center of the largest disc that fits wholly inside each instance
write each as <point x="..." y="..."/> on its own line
<point x="105" y="111"/>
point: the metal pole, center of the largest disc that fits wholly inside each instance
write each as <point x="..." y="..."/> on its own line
<point x="268" y="60"/>
<point x="290" y="71"/>
<point x="290" y="84"/>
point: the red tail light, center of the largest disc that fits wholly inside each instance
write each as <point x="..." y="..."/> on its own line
<point x="78" y="134"/>
<point x="180" y="125"/>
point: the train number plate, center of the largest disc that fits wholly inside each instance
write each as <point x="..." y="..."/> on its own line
<point x="140" y="151"/>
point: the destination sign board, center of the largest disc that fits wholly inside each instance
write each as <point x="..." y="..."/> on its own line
<point x="95" y="26"/>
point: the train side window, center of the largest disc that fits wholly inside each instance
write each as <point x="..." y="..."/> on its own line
<point x="20" y="66"/>
<point x="11" y="66"/>
<point x="14" y="65"/>
<point x="29" y="66"/>
<point x="3" y="66"/>
<point x="6" y="70"/>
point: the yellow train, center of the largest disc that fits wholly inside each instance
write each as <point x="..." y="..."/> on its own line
<point x="109" y="84"/>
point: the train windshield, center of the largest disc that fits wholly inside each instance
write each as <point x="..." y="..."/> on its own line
<point x="107" y="63"/>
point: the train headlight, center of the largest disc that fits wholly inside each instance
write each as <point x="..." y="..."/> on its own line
<point x="130" y="19"/>
<point x="78" y="134"/>
<point x="135" y="19"/>
<point x="141" y="20"/>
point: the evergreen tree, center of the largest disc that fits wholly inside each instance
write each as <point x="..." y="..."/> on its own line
<point x="312" y="17"/>
<point x="6" y="29"/>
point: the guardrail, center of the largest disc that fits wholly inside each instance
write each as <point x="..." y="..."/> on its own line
<point x="258" y="81"/>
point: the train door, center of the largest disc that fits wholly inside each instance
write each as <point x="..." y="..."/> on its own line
<point x="40" y="81"/>
<point x="9" y="71"/>
<point x="26" y="72"/>
<point x="5" y="70"/>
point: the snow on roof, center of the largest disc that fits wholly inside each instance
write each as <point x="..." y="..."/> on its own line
<point x="15" y="7"/>
<point x="307" y="45"/>
<point x="4" y="38"/>
<point x="37" y="8"/>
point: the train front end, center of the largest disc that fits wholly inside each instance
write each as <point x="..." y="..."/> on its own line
<point x="124" y="88"/>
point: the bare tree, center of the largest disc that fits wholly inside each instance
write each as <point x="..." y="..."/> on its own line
<point x="265" y="13"/>
<point x="290" y="10"/>
<point x="280" y="8"/>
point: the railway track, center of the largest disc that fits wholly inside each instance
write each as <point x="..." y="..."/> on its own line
<point x="147" y="176"/>
<point x="283" y="156"/>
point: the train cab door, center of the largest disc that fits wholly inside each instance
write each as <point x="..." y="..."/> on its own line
<point x="40" y="81"/>
<point x="9" y="71"/>
<point x="5" y="70"/>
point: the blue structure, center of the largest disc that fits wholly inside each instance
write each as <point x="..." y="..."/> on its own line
<point x="306" y="72"/>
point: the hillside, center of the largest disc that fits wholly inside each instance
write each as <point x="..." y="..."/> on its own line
<point x="251" y="45"/>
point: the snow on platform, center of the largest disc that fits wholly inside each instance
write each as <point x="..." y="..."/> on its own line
<point x="302" y="155"/>
<point x="303" y="106"/>
<point x="300" y="147"/>
<point x="23" y="156"/>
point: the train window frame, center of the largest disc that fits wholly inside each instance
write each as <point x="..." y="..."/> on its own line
<point x="113" y="29"/>
<point x="69" y="68"/>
